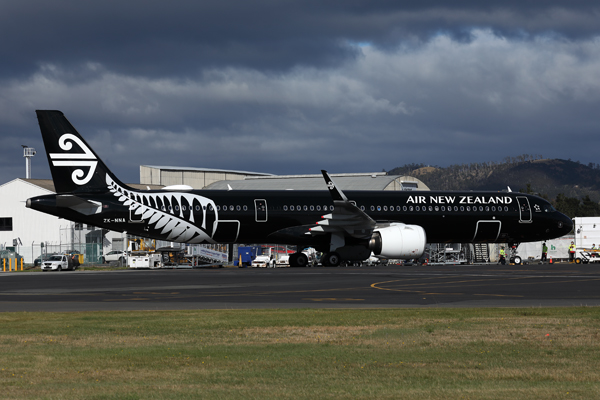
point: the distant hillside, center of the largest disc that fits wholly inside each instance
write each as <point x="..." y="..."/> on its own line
<point x="547" y="177"/>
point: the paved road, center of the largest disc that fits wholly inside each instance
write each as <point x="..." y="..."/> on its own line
<point x="369" y="287"/>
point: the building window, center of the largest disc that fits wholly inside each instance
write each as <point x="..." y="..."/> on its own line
<point x="6" y="224"/>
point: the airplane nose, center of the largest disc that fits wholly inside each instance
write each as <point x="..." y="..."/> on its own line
<point x="565" y="224"/>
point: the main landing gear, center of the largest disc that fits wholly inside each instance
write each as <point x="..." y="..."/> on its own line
<point x="298" y="260"/>
<point x="331" y="259"/>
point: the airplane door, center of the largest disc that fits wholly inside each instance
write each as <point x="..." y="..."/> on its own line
<point x="261" y="210"/>
<point x="524" y="209"/>
<point x="133" y="217"/>
<point x="487" y="231"/>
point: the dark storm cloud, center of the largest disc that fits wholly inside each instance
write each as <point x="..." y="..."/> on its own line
<point x="158" y="38"/>
<point x="296" y="86"/>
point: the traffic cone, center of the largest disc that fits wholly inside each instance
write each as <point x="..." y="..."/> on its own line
<point x="550" y="259"/>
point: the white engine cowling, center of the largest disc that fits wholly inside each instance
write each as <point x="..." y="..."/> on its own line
<point x="399" y="241"/>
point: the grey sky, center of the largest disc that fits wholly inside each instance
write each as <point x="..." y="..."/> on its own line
<point x="299" y="86"/>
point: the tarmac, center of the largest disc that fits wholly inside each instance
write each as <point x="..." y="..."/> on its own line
<point x="534" y="285"/>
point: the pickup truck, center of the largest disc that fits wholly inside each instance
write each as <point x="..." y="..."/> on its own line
<point x="58" y="262"/>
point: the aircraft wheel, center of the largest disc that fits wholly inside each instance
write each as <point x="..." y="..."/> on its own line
<point x="333" y="259"/>
<point x="298" y="260"/>
<point x="517" y="260"/>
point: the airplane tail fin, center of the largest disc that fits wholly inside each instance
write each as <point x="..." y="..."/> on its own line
<point x="75" y="167"/>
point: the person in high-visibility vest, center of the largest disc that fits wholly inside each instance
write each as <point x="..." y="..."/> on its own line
<point x="571" y="252"/>
<point x="502" y="256"/>
<point x="544" y="252"/>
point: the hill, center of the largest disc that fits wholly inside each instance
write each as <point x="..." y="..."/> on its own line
<point x="546" y="177"/>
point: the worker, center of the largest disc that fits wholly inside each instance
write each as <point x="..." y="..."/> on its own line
<point x="502" y="256"/>
<point x="571" y="251"/>
<point x="594" y="246"/>
<point x="544" y="252"/>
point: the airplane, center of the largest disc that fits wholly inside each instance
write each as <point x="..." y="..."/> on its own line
<point x="344" y="225"/>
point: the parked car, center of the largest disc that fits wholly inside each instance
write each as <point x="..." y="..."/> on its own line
<point x="43" y="257"/>
<point x="112" y="256"/>
<point x="58" y="262"/>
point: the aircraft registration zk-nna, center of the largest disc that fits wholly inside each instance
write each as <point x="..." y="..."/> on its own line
<point x="343" y="225"/>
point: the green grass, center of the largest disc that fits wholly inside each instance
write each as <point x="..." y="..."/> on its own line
<point x="549" y="353"/>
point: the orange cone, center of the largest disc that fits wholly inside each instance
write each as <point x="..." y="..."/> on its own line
<point x="550" y="259"/>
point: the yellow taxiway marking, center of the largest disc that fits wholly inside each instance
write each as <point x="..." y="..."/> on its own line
<point x="332" y="299"/>
<point x="422" y="292"/>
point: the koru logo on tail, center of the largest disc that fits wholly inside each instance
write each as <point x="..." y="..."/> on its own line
<point x="85" y="159"/>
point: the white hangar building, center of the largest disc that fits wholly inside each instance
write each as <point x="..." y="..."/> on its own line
<point x="217" y="179"/>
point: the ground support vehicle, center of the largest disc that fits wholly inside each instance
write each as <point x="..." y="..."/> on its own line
<point x="283" y="261"/>
<point x="263" y="262"/>
<point x="145" y="260"/>
<point x="587" y="256"/>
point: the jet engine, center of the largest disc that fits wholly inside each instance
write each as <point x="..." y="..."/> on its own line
<point x="398" y="241"/>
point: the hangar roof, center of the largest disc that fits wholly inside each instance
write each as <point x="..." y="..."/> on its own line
<point x="194" y="169"/>
<point x="48" y="184"/>
<point x="367" y="181"/>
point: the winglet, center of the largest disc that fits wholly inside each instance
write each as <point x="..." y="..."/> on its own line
<point x="336" y="193"/>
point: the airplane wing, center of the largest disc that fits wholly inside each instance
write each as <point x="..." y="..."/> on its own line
<point x="346" y="219"/>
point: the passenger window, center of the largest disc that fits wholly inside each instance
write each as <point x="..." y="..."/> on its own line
<point x="245" y="208"/>
<point x="417" y="208"/>
<point x="238" y="208"/>
<point x="362" y="208"/>
<point x="318" y="208"/>
<point x="291" y="208"/>
<point x="312" y="208"/>
<point x="305" y="208"/>
<point x="372" y="208"/>
<point x="285" y="208"/>
<point x="384" y="208"/>
<point x="462" y="208"/>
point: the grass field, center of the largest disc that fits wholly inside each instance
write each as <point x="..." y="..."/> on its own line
<point x="548" y="353"/>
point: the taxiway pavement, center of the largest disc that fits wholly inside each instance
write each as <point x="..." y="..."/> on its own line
<point x="367" y="287"/>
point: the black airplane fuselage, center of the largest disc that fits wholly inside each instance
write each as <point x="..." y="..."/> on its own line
<point x="284" y="216"/>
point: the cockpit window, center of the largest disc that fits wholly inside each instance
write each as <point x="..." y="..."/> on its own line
<point x="548" y="208"/>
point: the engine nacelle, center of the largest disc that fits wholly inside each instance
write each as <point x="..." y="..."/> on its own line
<point x="398" y="241"/>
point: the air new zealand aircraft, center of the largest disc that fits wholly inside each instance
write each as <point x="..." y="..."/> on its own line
<point x="343" y="225"/>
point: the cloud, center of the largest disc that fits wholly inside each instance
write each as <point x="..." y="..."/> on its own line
<point x="356" y="88"/>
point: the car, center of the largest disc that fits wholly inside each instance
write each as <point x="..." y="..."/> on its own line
<point x="114" y="256"/>
<point x="43" y="257"/>
<point x="58" y="262"/>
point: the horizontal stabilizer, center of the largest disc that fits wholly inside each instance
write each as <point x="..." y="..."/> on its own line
<point x="86" y="207"/>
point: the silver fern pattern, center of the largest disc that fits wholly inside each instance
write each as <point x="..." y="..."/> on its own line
<point x="174" y="216"/>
